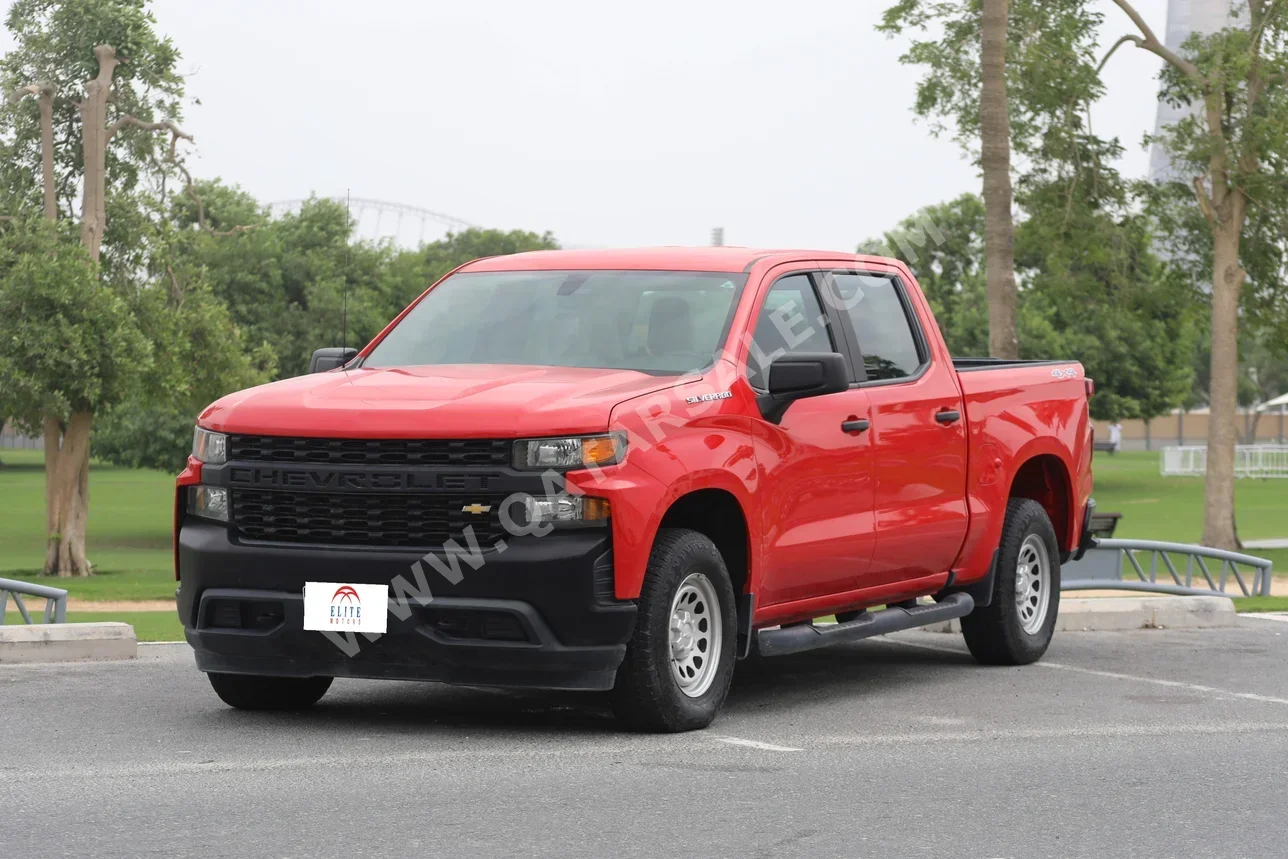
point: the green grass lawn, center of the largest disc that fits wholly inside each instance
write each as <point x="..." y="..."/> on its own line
<point x="128" y="536"/>
<point x="1171" y="508"/>
<point x="1242" y="604"/>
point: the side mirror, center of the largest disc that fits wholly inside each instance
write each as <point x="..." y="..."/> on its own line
<point x="800" y="375"/>
<point x="330" y="358"/>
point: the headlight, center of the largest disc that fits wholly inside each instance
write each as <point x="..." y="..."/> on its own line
<point x="574" y="452"/>
<point x="582" y="509"/>
<point x="208" y="502"/>
<point x="209" y="447"/>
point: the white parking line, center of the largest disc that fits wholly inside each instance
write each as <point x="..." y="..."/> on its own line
<point x="1008" y="733"/>
<point x="756" y="744"/>
<point x="1114" y="675"/>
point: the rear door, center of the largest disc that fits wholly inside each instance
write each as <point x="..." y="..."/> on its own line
<point x="816" y="463"/>
<point x="918" y="426"/>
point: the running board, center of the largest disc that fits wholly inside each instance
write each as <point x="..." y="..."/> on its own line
<point x="802" y="637"/>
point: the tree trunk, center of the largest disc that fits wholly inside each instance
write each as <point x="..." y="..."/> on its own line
<point x="53" y="431"/>
<point x="67" y="501"/>
<point x="47" y="152"/>
<point x="94" y="134"/>
<point x="1250" y="426"/>
<point x="1218" y="497"/>
<point x="995" y="159"/>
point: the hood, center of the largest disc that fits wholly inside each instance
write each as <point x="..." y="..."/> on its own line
<point x="445" y="401"/>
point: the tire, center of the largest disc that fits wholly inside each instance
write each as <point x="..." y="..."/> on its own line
<point x="257" y="692"/>
<point x="1003" y="632"/>
<point x="649" y="694"/>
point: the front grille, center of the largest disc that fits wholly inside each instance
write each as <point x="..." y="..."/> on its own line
<point x="386" y="451"/>
<point x="378" y="521"/>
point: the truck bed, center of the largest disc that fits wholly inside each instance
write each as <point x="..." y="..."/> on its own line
<point x="1033" y="409"/>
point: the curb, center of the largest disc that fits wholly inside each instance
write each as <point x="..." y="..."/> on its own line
<point x="67" y="642"/>
<point x="1118" y="614"/>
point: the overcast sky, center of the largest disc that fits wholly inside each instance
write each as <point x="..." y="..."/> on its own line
<point x="787" y="123"/>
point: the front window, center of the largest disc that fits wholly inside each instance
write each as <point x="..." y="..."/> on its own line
<point x="659" y="322"/>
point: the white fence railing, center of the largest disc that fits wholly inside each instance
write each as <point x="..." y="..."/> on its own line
<point x="55" y="600"/>
<point x="1250" y="460"/>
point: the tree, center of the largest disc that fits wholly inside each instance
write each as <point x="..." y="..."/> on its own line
<point x="995" y="163"/>
<point x="1094" y="290"/>
<point x="1232" y="148"/>
<point x="67" y="347"/>
<point x="301" y="281"/>
<point x="1010" y="76"/>
<point x="99" y="77"/>
<point x="949" y="267"/>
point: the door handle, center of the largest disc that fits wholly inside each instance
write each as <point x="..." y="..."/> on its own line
<point x="854" y="426"/>
<point x="948" y="416"/>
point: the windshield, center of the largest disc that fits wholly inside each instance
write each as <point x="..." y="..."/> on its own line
<point x="659" y="322"/>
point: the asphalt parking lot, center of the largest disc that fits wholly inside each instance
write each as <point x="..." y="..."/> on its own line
<point x="1142" y="744"/>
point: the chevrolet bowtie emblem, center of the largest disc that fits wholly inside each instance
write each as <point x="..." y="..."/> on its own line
<point x="477" y="509"/>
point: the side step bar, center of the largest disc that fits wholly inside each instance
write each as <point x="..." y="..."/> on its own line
<point x="802" y="637"/>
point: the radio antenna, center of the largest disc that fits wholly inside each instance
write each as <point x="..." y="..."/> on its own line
<point x="344" y="305"/>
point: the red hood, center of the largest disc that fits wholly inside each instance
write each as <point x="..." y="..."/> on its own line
<point x="448" y="401"/>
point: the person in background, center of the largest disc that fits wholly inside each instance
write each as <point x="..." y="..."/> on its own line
<point x="1115" y="437"/>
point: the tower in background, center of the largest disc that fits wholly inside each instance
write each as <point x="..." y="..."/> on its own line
<point x="1183" y="18"/>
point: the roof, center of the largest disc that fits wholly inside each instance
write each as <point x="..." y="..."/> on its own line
<point x="657" y="259"/>
<point x="1281" y="400"/>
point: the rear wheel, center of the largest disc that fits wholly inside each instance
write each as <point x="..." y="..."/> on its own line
<point x="1016" y="627"/>
<point x="679" y="661"/>
<point x="256" y="692"/>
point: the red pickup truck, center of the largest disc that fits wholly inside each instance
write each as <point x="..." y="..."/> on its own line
<point x="624" y="471"/>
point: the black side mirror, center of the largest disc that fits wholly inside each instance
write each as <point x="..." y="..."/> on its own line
<point x="330" y="358"/>
<point x="803" y="374"/>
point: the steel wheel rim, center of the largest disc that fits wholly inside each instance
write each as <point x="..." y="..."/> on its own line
<point x="1032" y="583"/>
<point x="695" y="635"/>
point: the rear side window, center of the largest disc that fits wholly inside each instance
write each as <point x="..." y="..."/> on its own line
<point x="881" y="324"/>
<point x="791" y="320"/>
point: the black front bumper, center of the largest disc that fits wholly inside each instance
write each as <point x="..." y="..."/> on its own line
<point x="538" y="615"/>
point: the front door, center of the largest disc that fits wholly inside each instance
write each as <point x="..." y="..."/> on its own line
<point x="816" y="463"/>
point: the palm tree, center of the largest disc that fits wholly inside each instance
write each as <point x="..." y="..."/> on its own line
<point x="995" y="160"/>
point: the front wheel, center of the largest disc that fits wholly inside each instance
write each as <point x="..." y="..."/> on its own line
<point x="256" y="692"/>
<point x="679" y="661"/>
<point x="1016" y="627"/>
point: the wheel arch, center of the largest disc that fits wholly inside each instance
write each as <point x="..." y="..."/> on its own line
<point x="717" y="514"/>
<point x="1045" y="478"/>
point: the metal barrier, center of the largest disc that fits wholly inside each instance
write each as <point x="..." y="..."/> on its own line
<point x="1250" y="460"/>
<point x="55" y="600"/>
<point x="1103" y="568"/>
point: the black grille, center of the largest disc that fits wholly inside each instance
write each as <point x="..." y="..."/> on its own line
<point x="388" y="451"/>
<point x="405" y="520"/>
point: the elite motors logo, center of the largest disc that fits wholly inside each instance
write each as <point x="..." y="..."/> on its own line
<point x="346" y="607"/>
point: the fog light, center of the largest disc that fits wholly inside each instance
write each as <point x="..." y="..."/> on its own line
<point x="208" y="502"/>
<point x="566" y="509"/>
